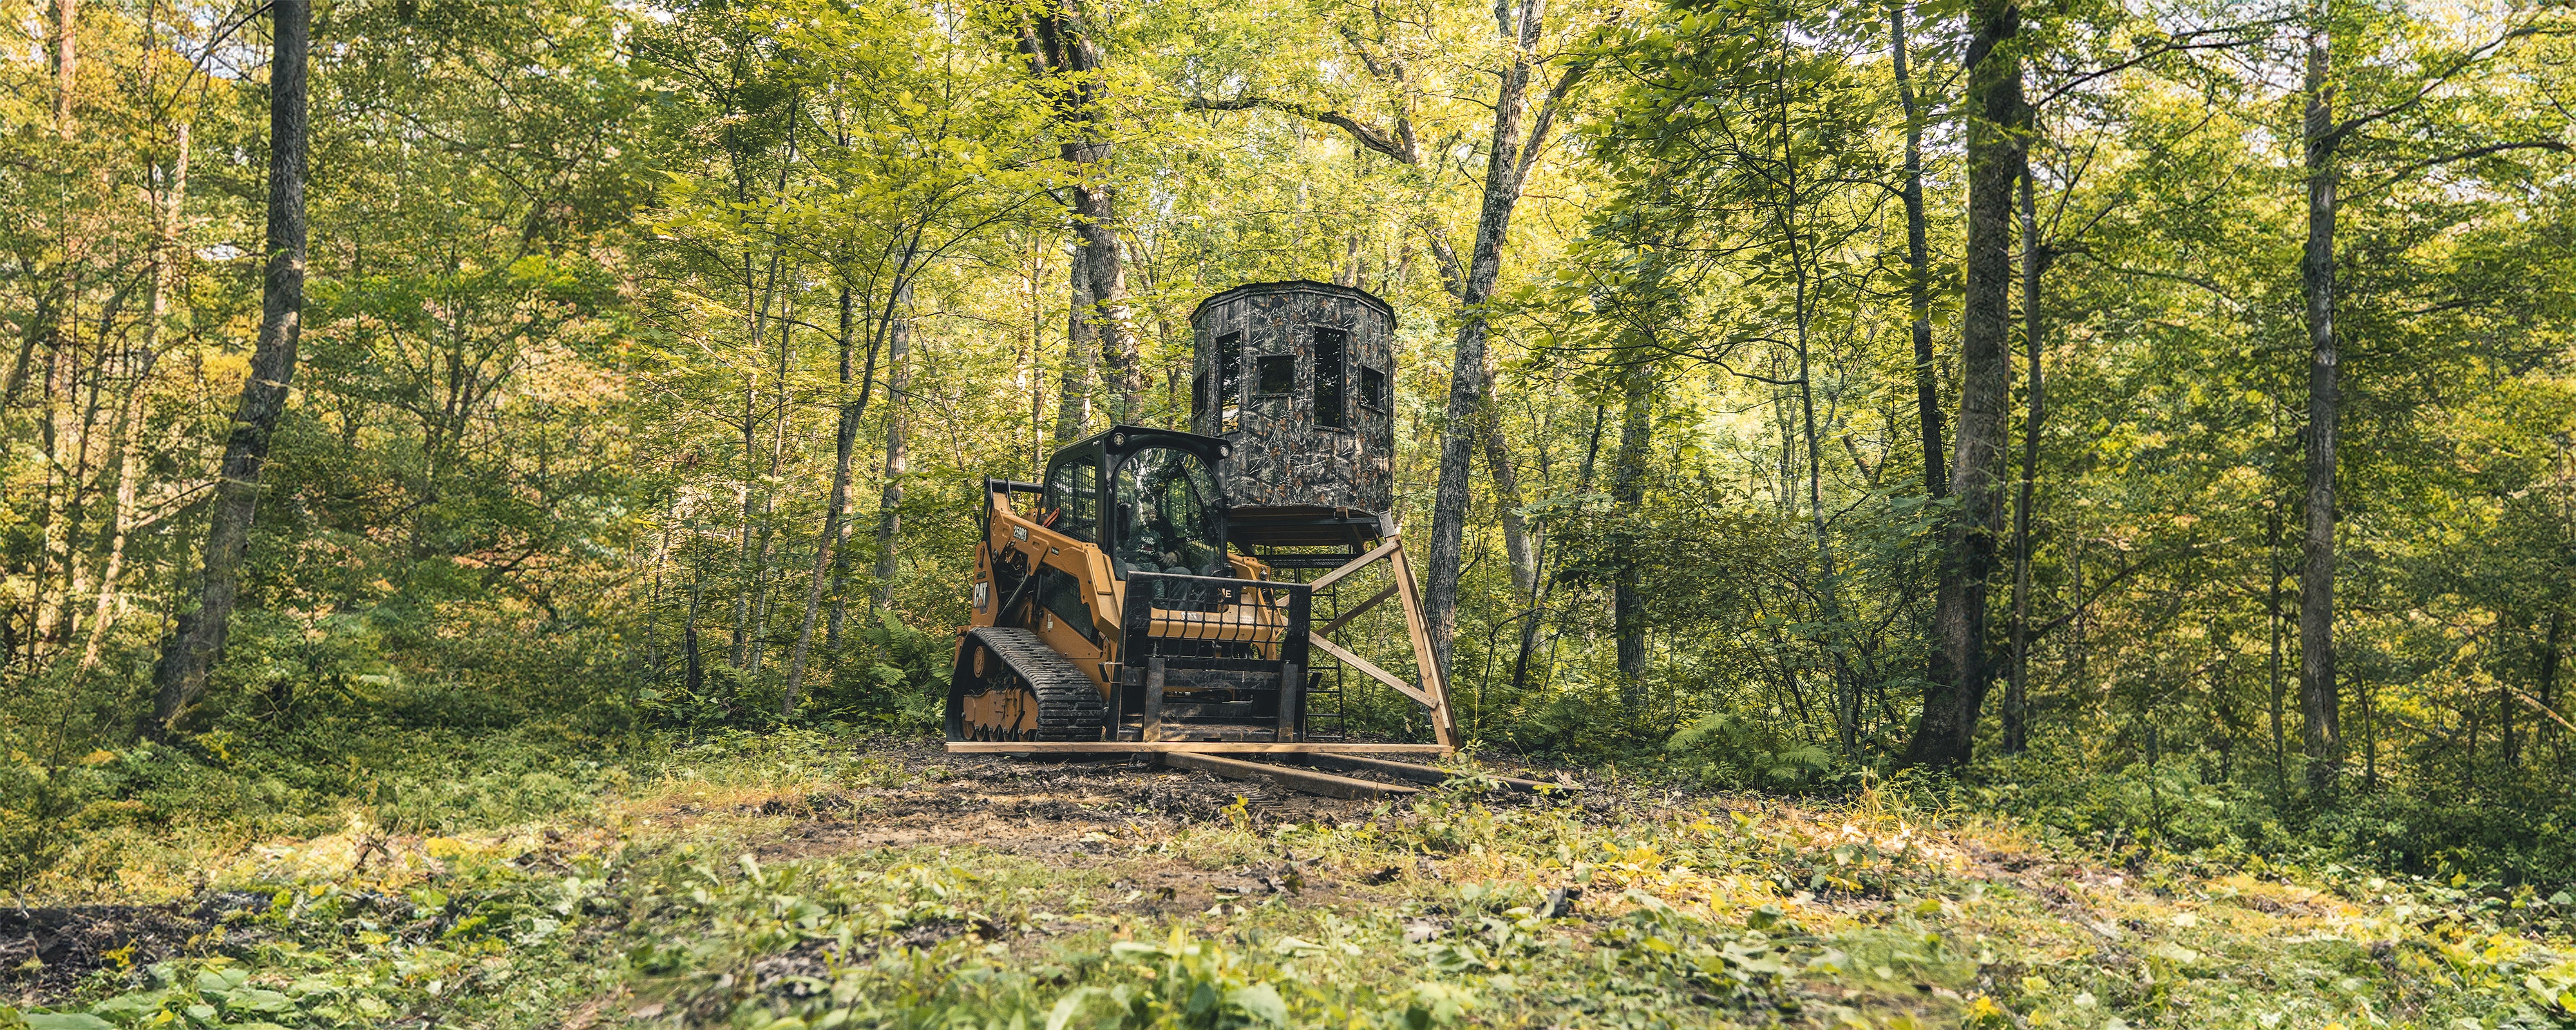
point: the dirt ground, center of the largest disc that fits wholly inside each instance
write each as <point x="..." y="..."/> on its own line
<point x="1065" y="812"/>
<point x="46" y="952"/>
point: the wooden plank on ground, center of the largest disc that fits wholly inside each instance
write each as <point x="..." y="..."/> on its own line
<point x="1306" y="780"/>
<point x="1416" y="773"/>
<point x="1213" y="747"/>
<point x="1292" y="689"/>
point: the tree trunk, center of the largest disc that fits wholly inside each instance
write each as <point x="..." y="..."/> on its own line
<point x="1507" y="497"/>
<point x="750" y="598"/>
<point x="66" y="62"/>
<point x="754" y="305"/>
<point x="2034" y="263"/>
<point x="1628" y="494"/>
<point x="1508" y="161"/>
<point x="845" y="442"/>
<point x="1538" y="596"/>
<point x="1918" y="266"/>
<point x="845" y="451"/>
<point x="1081" y="342"/>
<point x="2549" y="664"/>
<point x="1114" y="321"/>
<point x="760" y="581"/>
<point x="1846" y="694"/>
<point x="1065" y="59"/>
<point x="1037" y="364"/>
<point x="1508" y="158"/>
<point x="2320" y="707"/>
<point x="198" y="639"/>
<point x="2272" y="607"/>
<point x="2505" y="733"/>
<point x="692" y="660"/>
<point x="166" y="211"/>
<point x="1954" y="692"/>
<point x="835" y="512"/>
<point x="897" y="459"/>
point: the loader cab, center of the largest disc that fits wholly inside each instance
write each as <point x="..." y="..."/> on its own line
<point x="1148" y="497"/>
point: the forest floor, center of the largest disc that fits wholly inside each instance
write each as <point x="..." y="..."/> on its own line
<point x="799" y="881"/>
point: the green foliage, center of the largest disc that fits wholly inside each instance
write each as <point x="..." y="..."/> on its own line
<point x="56" y="777"/>
<point x="1723" y="749"/>
<point x="2167" y="806"/>
<point x="903" y="686"/>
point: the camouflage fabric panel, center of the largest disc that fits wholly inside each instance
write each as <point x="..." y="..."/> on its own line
<point x="1281" y="405"/>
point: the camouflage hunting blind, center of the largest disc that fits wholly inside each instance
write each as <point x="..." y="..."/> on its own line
<point x="1299" y="378"/>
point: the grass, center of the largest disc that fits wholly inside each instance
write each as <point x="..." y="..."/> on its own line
<point x="798" y="881"/>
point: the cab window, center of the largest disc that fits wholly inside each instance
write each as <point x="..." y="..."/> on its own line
<point x="1072" y="502"/>
<point x="1165" y="513"/>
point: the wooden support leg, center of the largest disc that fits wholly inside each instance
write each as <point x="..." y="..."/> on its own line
<point x="1444" y="726"/>
<point x="1153" y="700"/>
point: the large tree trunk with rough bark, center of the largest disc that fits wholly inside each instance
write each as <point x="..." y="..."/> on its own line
<point x="195" y="644"/>
<point x="1064" y="60"/>
<point x="1111" y="317"/>
<point x="2320" y="705"/>
<point x="1954" y="692"/>
<point x="1506" y="171"/>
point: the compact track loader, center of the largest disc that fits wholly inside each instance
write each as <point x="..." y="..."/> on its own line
<point x="1111" y="596"/>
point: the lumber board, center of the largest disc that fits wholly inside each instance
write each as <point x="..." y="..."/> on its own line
<point x="1128" y="747"/>
<point x="1293" y="778"/>
<point x="1292" y="702"/>
<point x="1356" y="564"/>
<point x="1416" y="773"/>
<point x="1154" y="671"/>
<point x="1357" y="610"/>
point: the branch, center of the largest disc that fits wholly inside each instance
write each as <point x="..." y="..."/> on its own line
<point x="2541" y="708"/>
<point x="1366" y="135"/>
<point x="2168" y="48"/>
<point x="2466" y="155"/>
<point x="2126" y="571"/>
<point x="2344" y="128"/>
<point x="1546" y="118"/>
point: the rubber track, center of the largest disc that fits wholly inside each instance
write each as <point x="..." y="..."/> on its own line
<point x="1069" y="706"/>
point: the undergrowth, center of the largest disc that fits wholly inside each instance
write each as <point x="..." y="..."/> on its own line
<point x="633" y="891"/>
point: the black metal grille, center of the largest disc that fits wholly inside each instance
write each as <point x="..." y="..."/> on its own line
<point x="1230" y="653"/>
